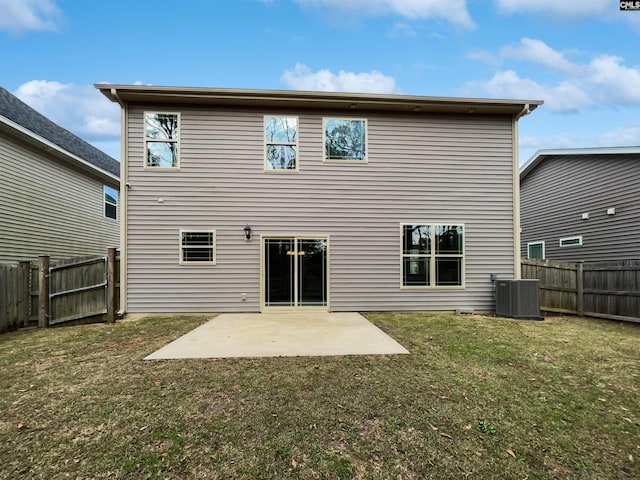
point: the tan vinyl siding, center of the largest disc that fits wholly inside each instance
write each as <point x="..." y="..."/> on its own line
<point x="561" y="188"/>
<point x="49" y="208"/>
<point x="442" y="169"/>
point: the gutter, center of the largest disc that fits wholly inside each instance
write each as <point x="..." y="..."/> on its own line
<point x="313" y="100"/>
<point x="124" y="187"/>
<point x="540" y="155"/>
<point x="517" y="267"/>
<point x="49" y="145"/>
<point x="526" y="110"/>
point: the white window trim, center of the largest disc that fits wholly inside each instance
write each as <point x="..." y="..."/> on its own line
<point x="541" y="242"/>
<point x="575" y="237"/>
<point x="432" y="257"/>
<point x="105" y="203"/>
<point x="366" y="140"/>
<point x="213" y="247"/>
<point x="296" y="144"/>
<point x="151" y="140"/>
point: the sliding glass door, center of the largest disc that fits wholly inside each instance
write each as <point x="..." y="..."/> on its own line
<point x="295" y="272"/>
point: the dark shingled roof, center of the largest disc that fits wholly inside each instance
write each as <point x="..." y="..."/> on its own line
<point x="21" y="113"/>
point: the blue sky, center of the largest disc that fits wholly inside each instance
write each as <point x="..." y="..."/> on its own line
<point x="580" y="56"/>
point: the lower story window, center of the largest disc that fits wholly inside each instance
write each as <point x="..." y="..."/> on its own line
<point x="432" y="255"/>
<point x="198" y="247"/>
<point x="535" y="250"/>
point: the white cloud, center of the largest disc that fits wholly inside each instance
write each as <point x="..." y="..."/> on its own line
<point x="484" y="56"/>
<point x="603" y="81"/>
<point x="80" y="109"/>
<point x="613" y="81"/>
<point x="628" y="135"/>
<point x="303" y="78"/>
<point x="402" y="30"/>
<point x="18" y="16"/>
<point x="537" y="51"/>
<point x="564" y="97"/>
<point x="625" y="136"/>
<point x="454" y="11"/>
<point x="559" y="8"/>
<point x="576" y="10"/>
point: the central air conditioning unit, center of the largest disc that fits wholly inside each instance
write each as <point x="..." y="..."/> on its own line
<point x="518" y="299"/>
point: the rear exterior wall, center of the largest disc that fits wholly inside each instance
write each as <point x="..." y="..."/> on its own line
<point x="443" y="169"/>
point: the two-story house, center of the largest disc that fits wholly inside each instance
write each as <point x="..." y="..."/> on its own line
<point x="251" y="200"/>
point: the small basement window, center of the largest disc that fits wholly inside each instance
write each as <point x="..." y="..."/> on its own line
<point x="571" y="241"/>
<point x="198" y="247"/>
<point x="535" y="250"/>
<point x="110" y="202"/>
<point x="161" y="131"/>
<point x="345" y="139"/>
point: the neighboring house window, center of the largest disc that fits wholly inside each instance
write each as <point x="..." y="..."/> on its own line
<point x="345" y="139"/>
<point x="198" y="247"/>
<point x="535" y="250"/>
<point x="161" y="139"/>
<point x="571" y="241"/>
<point x="110" y="202"/>
<point x="432" y="255"/>
<point x="281" y="144"/>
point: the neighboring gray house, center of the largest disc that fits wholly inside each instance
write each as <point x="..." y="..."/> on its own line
<point x="252" y="200"/>
<point x="581" y="204"/>
<point x="58" y="194"/>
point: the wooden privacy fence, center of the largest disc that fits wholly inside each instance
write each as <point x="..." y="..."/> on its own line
<point x="48" y="293"/>
<point x="604" y="289"/>
<point x="15" y="296"/>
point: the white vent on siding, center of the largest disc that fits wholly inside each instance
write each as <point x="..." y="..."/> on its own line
<point x="611" y="211"/>
<point x="585" y="216"/>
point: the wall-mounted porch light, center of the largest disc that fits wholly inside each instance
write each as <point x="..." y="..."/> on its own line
<point x="247" y="232"/>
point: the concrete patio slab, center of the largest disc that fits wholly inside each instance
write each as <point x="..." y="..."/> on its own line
<point x="281" y="335"/>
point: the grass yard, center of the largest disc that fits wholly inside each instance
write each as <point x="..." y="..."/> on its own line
<point x="478" y="398"/>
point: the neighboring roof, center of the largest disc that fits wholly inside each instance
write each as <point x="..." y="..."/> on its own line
<point x="18" y="112"/>
<point x="544" y="155"/>
<point x="301" y="99"/>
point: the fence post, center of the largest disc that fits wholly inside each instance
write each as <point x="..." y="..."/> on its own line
<point x="25" y="290"/>
<point x="111" y="285"/>
<point x="580" y="288"/>
<point x="43" y="292"/>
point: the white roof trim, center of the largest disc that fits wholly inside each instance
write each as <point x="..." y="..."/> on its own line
<point x="537" y="157"/>
<point x="52" y="146"/>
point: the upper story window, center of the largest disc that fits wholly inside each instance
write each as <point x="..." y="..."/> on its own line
<point x="110" y="202"/>
<point x="345" y="139"/>
<point x="432" y="255"/>
<point x="161" y="131"/>
<point x="281" y="144"/>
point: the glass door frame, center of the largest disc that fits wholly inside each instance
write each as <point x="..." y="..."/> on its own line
<point x="263" y="271"/>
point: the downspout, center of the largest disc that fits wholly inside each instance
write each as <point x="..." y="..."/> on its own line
<point x="517" y="267"/>
<point x="124" y="187"/>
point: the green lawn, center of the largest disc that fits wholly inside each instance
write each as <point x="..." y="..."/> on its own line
<point x="478" y="398"/>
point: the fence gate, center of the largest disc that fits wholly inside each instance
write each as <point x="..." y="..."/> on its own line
<point x="77" y="289"/>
